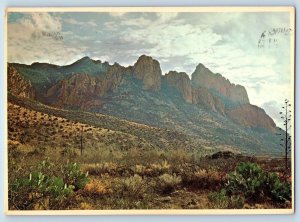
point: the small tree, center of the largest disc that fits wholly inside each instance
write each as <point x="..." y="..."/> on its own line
<point x="286" y="137"/>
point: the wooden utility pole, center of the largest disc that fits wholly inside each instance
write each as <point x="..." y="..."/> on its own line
<point x="81" y="141"/>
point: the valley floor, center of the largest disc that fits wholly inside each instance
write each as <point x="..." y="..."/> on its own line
<point x="130" y="180"/>
<point x="118" y="170"/>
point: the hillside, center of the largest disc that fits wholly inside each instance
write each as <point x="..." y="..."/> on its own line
<point x="207" y="111"/>
<point x="36" y="124"/>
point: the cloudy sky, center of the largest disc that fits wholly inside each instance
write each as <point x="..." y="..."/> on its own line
<point x="243" y="47"/>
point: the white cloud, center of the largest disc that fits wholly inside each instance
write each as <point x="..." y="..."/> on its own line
<point x="92" y="23"/>
<point x="172" y="39"/>
<point x="117" y="14"/>
<point x="42" y="21"/>
<point x="111" y="26"/>
<point x="79" y="23"/>
<point x="101" y="58"/>
<point x="28" y="41"/>
<point x="141" y="21"/>
<point x="166" y="16"/>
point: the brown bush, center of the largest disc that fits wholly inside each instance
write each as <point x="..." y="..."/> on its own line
<point x="204" y="179"/>
<point x="96" y="188"/>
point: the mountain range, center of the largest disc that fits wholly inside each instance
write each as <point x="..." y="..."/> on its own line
<point x="207" y="108"/>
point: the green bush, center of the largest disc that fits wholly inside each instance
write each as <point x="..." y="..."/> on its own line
<point x="27" y="191"/>
<point x="74" y="176"/>
<point x="58" y="189"/>
<point x="219" y="200"/>
<point x="278" y="190"/>
<point x="250" y="181"/>
<point x="237" y="201"/>
<point x="247" y="179"/>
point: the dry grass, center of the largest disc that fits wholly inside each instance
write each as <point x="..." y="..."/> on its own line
<point x="38" y="129"/>
<point x="96" y="188"/>
<point x="125" y="171"/>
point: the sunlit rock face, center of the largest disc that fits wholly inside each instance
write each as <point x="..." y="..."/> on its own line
<point x="203" y="77"/>
<point x="148" y="70"/>
<point x="181" y="81"/>
<point x="95" y="86"/>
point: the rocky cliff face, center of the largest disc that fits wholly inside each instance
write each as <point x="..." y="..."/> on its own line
<point x="76" y="91"/>
<point x="203" y="77"/>
<point x="83" y="91"/>
<point x="113" y="77"/>
<point x="203" y="97"/>
<point x="86" y="91"/>
<point x="181" y="81"/>
<point x="251" y="116"/>
<point x="18" y="85"/>
<point x="148" y="70"/>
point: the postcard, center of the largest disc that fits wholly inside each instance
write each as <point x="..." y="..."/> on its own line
<point x="150" y="110"/>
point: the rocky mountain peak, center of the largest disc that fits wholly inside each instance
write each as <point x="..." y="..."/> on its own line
<point x="89" y="86"/>
<point x="148" y="70"/>
<point x="203" y="77"/>
<point x="86" y="61"/>
<point x="181" y="81"/>
<point x="85" y="58"/>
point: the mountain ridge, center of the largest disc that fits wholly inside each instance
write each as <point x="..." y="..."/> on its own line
<point x="206" y="103"/>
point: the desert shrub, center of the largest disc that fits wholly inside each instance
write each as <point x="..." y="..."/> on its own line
<point x="150" y="155"/>
<point x="58" y="188"/>
<point x="179" y="156"/>
<point x="139" y="169"/>
<point x="134" y="187"/>
<point x="247" y="179"/>
<point x="85" y="206"/>
<point x="101" y="168"/>
<point x="221" y="200"/>
<point x="26" y="192"/>
<point x="167" y="183"/>
<point x="203" y="178"/>
<point x="96" y="188"/>
<point x="160" y="168"/>
<point x="251" y="181"/>
<point x="45" y="182"/>
<point x="237" y="201"/>
<point x="276" y="189"/>
<point x="35" y="181"/>
<point x="74" y="176"/>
